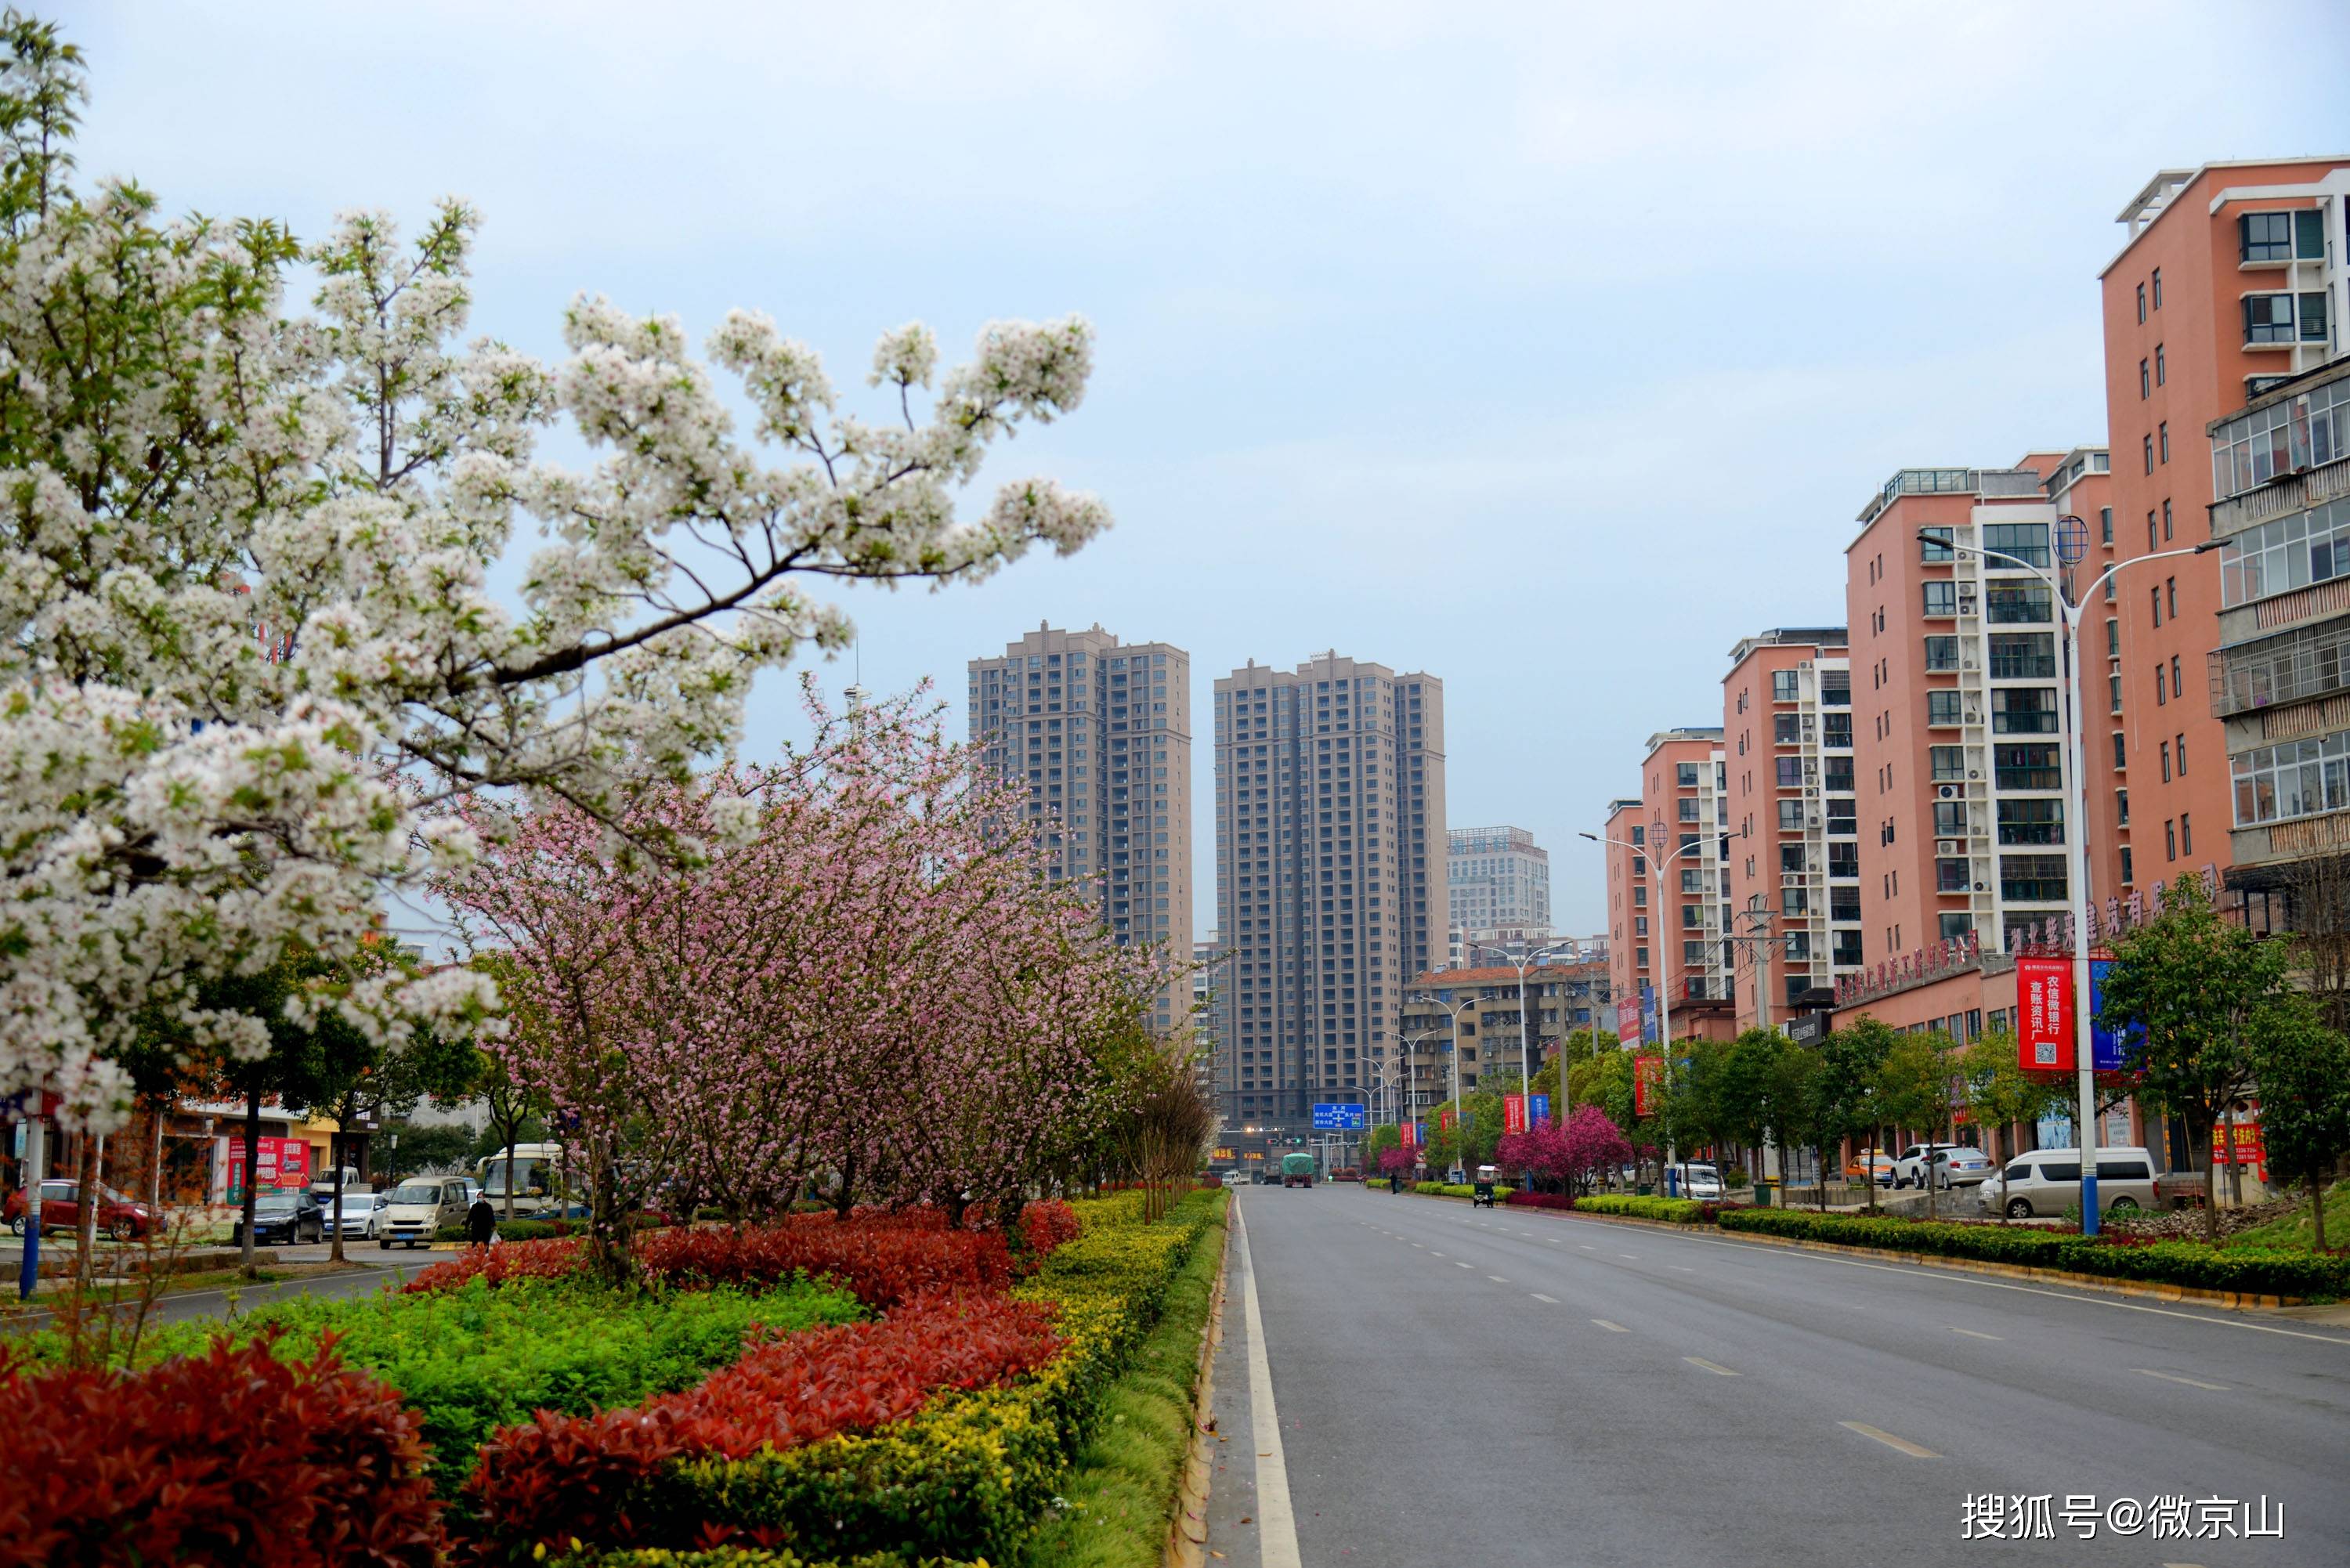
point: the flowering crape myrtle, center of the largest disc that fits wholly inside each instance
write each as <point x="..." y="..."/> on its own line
<point x="253" y="657"/>
<point x="863" y="977"/>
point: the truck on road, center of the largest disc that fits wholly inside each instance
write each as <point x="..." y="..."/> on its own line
<point x="1297" y="1170"/>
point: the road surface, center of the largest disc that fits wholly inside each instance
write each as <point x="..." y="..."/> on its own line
<point x="1476" y="1386"/>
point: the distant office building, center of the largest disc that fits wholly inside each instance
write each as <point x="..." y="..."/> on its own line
<point x="1566" y="998"/>
<point x="1100" y="731"/>
<point x="1498" y="877"/>
<point x="1794" y="855"/>
<point x="1330" y="875"/>
<point x="1667" y="894"/>
<point x="1209" y="985"/>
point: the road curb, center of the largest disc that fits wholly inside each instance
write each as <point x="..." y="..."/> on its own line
<point x="1187" y="1533"/>
<point x="2226" y="1301"/>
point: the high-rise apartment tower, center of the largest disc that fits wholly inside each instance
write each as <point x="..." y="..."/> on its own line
<point x="1330" y="875"/>
<point x="1101" y="733"/>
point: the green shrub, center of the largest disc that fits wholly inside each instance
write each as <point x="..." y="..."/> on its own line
<point x="1680" y="1211"/>
<point x="2188" y="1264"/>
<point x="1457" y="1190"/>
<point x="746" y="1557"/>
<point x="970" y="1473"/>
<point x="472" y="1359"/>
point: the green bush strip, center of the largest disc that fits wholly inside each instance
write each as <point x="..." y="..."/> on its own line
<point x="1680" y="1211"/>
<point x="970" y="1474"/>
<point x="2190" y="1265"/>
<point x="476" y="1358"/>
<point x="1457" y="1190"/>
<point x="751" y="1557"/>
<point x="1118" y="1499"/>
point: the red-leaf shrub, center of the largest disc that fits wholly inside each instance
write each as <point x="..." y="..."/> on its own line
<point x="564" y="1476"/>
<point x="882" y="1259"/>
<point x="232" y="1457"/>
<point x="1539" y="1201"/>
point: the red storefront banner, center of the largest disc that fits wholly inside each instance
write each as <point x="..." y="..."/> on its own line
<point x="1627" y="1018"/>
<point x="1410" y="1131"/>
<point x="2043" y="1005"/>
<point x="1513" y="1113"/>
<point x="1648" y="1080"/>
<point x="1444" y="1120"/>
<point x="283" y="1164"/>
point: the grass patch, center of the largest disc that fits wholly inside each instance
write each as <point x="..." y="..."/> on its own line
<point x="2296" y="1232"/>
<point x="1118" y="1498"/>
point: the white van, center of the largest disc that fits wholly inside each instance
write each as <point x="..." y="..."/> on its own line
<point x="538" y="1174"/>
<point x="418" y="1207"/>
<point x="2048" y="1183"/>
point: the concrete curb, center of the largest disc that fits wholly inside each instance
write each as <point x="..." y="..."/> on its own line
<point x="1187" y="1533"/>
<point x="2226" y="1301"/>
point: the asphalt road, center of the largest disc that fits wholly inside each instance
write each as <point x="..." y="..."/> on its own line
<point x="218" y="1303"/>
<point x="1475" y="1386"/>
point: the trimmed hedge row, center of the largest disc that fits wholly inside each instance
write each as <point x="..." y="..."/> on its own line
<point x="2186" y="1263"/>
<point x="1680" y="1211"/>
<point x="968" y="1473"/>
<point x="750" y="1557"/>
<point x="1456" y="1189"/>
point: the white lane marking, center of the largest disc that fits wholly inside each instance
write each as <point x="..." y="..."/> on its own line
<point x="1436" y="1254"/>
<point x="1276" y="1523"/>
<point x="1459" y="1265"/>
<point x="1973" y="1333"/>
<point x="1587" y="1247"/>
<point x="1715" y="1368"/>
<point x="1952" y="1276"/>
<point x="1880" y="1435"/>
<point x="1540" y="1297"/>
<point x="1497" y="1279"/>
<point x="1680" y="1267"/>
<point x="2174" y="1377"/>
<point x="1630" y="1256"/>
<point x="1611" y="1327"/>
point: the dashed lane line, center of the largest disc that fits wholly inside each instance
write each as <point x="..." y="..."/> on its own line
<point x="1497" y="1279"/>
<point x="1540" y="1297"/>
<point x="1899" y="1445"/>
<point x="1713" y="1366"/>
<point x="2174" y="1377"/>
<point x="1972" y="1332"/>
<point x="1611" y="1327"/>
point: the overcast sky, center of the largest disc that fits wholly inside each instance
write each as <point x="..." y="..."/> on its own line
<point x="1548" y="350"/>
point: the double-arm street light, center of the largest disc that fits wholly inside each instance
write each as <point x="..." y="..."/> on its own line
<point x="2072" y="546"/>
<point x="1526" y="1025"/>
<point x="1664" y="967"/>
<point x="1411" y="1043"/>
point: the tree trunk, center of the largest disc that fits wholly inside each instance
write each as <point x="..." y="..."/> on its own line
<point x="844" y="1195"/>
<point x="607" y="1240"/>
<point x="252" y="1192"/>
<point x="512" y="1133"/>
<point x="2210" y="1185"/>
<point x="956" y="1203"/>
<point x="85" y="1192"/>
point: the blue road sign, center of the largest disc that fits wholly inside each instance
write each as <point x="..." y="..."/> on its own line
<point x="1331" y="1117"/>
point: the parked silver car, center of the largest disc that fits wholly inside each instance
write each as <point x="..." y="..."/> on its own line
<point x="1947" y="1165"/>
<point x="359" y="1208"/>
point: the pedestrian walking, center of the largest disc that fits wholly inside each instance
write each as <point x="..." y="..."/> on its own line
<point x="480" y="1222"/>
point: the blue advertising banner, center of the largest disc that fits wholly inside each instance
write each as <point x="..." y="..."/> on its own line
<point x="1539" y="1105"/>
<point x="2107" y="1050"/>
<point x="1650" y="1032"/>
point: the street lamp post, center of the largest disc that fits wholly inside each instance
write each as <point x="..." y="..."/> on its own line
<point x="2076" y="792"/>
<point x="1526" y="1026"/>
<point x="1664" y="969"/>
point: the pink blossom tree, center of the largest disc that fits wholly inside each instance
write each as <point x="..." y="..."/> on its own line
<point x="1572" y="1154"/>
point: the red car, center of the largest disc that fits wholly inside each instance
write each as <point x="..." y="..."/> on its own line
<point x="120" y="1216"/>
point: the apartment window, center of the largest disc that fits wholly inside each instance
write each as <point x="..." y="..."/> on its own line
<point x="2145" y="379"/>
<point x="1685" y="774"/>
<point x="1783" y="685"/>
<point x="2180" y="750"/>
<point x="1941" y="597"/>
<point x="1639" y="898"/>
<point x="2170" y="838"/>
<point x="2154" y="604"/>
<point x="1946" y="762"/>
<point x="2031" y="878"/>
<point x="2165" y="428"/>
<point x="2161" y="366"/>
<point x="1949" y="819"/>
<point x="1934" y="544"/>
<point x="1791" y="816"/>
<point x="2268" y="318"/>
<point x="2024" y="656"/>
<point x="2264" y="236"/>
<point x="2032" y="822"/>
<point x="2149" y="454"/>
<point x="2013" y="604"/>
<point x="2126" y="877"/>
<point x="1692" y="917"/>
<point x="2161" y="695"/>
<point x="2024" y="541"/>
<point x="2106" y="525"/>
<point x="2295" y="779"/>
<point x="1941" y="654"/>
<point x="1639" y="925"/>
<point x="2113" y="640"/>
<point x="2031" y="766"/>
<point x="1949" y="876"/>
<point x="1790" y="772"/>
<point x="2023" y="710"/>
<point x="2166" y="762"/>
<point x="1692" y="879"/>
<point x="2114" y="693"/>
<point x="1795" y="902"/>
<point x="2165" y="534"/>
<point x="2141" y="305"/>
<point x="1640" y="957"/>
<point x="2151" y="545"/>
<point x="2121" y="809"/>
<point x="1844" y="864"/>
<point x="2186" y="835"/>
<point x="1835" y="729"/>
<point x="1689" y="808"/>
<point x="1693" y="954"/>
<point x="2158" y="291"/>
<point x="1941" y="708"/>
<point x="1786" y="729"/>
<point x="2170" y="595"/>
<point x="1835" y="688"/>
<point x="2311" y="318"/>
<point x="2177" y="689"/>
<point x="1640" y="836"/>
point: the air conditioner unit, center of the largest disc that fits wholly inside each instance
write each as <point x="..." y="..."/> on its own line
<point x="1982" y="887"/>
<point x="1974" y="772"/>
<point x="1811" y="791"/>
<point x="1966" y="590"/>
<point x="1974" y="716"/>
<point x="1950" y="792"/>
<point x="1949" y="846"/>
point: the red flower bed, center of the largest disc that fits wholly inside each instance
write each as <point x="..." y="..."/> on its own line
<point x="556" y="1477"/>
<point x="232" y="1457"/>
<point x="881" y="1259"/>
<point x="1539" y="1201"/>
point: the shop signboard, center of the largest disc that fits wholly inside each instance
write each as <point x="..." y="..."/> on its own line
<point x="280" y="1163"/>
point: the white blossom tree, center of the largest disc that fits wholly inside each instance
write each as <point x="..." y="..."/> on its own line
<point x="244" y="555"/>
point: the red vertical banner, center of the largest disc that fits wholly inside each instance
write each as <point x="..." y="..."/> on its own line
<point x="1444" y="1121"/>
<point x="1513" y="1113"/>
<point x="1410" y="1131"/>
<point x="1647" y="1079"/>
<point x="2043" y="1005"/>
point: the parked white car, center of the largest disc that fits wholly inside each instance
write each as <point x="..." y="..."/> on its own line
<point x="358" y="1218"/>
<point x="1951" y="1165"/>
<point x="2048" y="1183"/>
<point x="1702" y="1182"/>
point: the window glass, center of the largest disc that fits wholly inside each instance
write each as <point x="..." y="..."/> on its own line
<point x="1934" y="544"/>
<point x="2018" y="604"/>
<point x="1941" y="597"/>
<point x="2024" y="541"/>
<point x="2124" y="1170"/>
<point x="2052" y="1171"/>
<point x="1942" y="653"/>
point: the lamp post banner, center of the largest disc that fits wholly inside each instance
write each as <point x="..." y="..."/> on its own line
<point x="1540" y="1106"/>
<point x="1513" y="1113"/>
<point x="2043" y="995"/>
